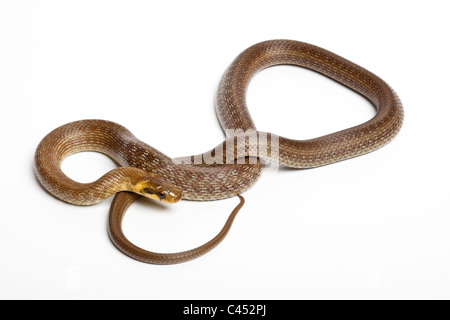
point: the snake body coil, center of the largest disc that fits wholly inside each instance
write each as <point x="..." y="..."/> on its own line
<point x="146" y="171"/>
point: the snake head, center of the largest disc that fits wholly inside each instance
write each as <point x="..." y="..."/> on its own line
<point x="157" y="189"/>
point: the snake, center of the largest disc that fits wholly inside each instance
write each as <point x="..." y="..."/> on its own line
<point x="234" y="165"/>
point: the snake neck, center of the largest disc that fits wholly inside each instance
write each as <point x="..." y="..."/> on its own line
<point x="93" y="135"/>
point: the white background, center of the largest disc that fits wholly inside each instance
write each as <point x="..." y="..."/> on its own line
<point x="372" y="227"/>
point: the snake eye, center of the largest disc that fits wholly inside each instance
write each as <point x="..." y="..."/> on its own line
<point x="161" y="195"/>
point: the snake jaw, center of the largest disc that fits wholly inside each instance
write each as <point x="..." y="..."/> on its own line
<point x="157" y="189"/>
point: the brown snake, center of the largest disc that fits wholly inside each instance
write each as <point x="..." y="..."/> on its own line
<point x="146" y="171"/>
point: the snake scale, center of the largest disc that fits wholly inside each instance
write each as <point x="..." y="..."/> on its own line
<point x="234" y="165"/>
